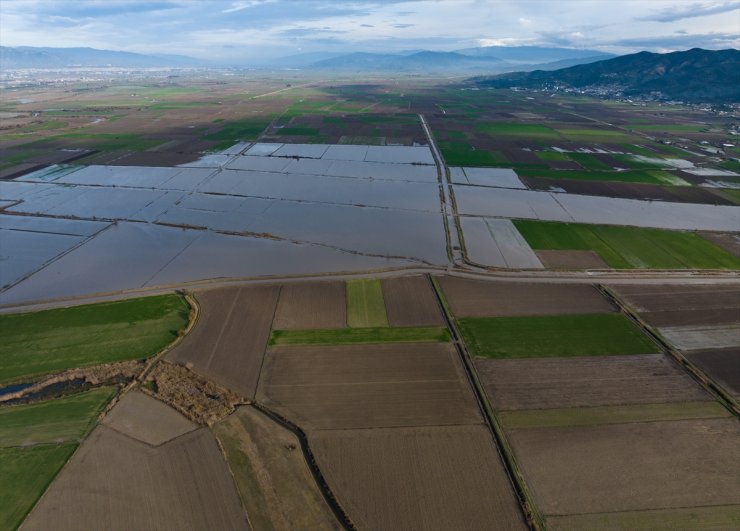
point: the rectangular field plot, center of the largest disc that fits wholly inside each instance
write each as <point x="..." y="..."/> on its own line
<point x="497" y="243"/>
<point x="591" y="416"/>
<point x="437" y="478"/>
<point x="479" y="298"/>
<point x="713" y="517"/>
<point x="683" y="305"/>
<point x="115" y="482"/>
<point x="273" y="480"/>
<point x="701" y="337"/>
<point x="365" y="305"/>
<point x="494" y="177"/>
<point x="589" y="381"/>
<point x="363" y="386"/>
<point x="546" y="206"/>
<point x="629" y="247"/>
<point x="554" y="336"/>
<point x="319" y="305"/>
<point x="410" y="301"/>
<point x="229" y="339"/>
<point x="34" y="344"/>
<point x="346" y="336"/>
<point x="630" y="467"/>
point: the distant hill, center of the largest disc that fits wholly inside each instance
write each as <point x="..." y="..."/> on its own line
<point x="692" y="75"/>
<point x="32" y="57"/>
<point x="415" y="62"/>
<point x="533" y="54"/>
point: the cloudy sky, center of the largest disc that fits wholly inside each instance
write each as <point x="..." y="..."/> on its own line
<point x="247" y="30"/>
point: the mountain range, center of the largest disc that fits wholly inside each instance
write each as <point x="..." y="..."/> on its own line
<point x="472" y="60"/>
<point x="692" y="75"/>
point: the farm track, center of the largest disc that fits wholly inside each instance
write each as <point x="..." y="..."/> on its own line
<point x="531" y="513"/>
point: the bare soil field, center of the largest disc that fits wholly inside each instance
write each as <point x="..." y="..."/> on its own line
<point x="644" y="298"/>
<point x="663" y="306"/>
<point x="474" y="298"/>
<point x="544" y="383"/>
<point x="715" y="517"/>
<point x="722" y="365"/>
<point x="364" y="386"/>
<point x="116" y="482"/>
<point x="271" y="474"/>
<point x="147" y="420"/>
<point x="630" y="467"/>
<point x="571" y="260"/>
<point x="311" y="306"/>
<point x="228" y="342"/>
<point x="409" y="301"/>
<point x="418" y="478"/>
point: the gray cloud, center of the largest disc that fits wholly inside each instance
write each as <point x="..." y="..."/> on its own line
<point x="673" y="14"/>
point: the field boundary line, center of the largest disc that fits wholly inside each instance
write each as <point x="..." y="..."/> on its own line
<point x="530" y="511"/>
<point x="715" y="390"/>
<point x="331" y="500"/>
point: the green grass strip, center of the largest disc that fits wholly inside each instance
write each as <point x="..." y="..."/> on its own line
<point x="549" y="336"/>
<point x="26" y="473"/>
<point x="365" y="304"/>
<point x="590" y="416"/>
<point x="53" y="421"/>
<point x="38" y="343"/>
<point x="342" y="336"/>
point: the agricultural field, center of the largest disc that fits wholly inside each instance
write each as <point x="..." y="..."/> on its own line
<point x="49" y="341"/>
<point x="588" y="400"/>
<point x="702" y="322"/>
<point x="240" y="318"/>
<point x="629" y="247"/>
<point x="416" y="306"/>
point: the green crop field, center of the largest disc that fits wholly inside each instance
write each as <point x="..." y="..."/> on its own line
<point x="514" y="129"/>
<point x="52" y="421"/>
<point x="552" y="155"/>
<point x="547" y="336"/>
<point x="670" y="128"/>
<point x="629" y="247"/>
<point x="38" y="343"/>
<point x="588" y="161"/>
<point x="365" y="304"/>
<point x="360" y="335"/>
<point x="26" y="473"/>
<point x="462" y="154"/>
<point x="234" y="132"/>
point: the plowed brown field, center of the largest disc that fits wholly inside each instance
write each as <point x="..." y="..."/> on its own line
<point x="418" y="478"/>
<point x="475" y="298"/>
<point x="116" y="482"/>
<point x="311" y="306"/>
<point x="723" y="365"/>
<point x="363" y="386"/>
<point x="228" y="342"/>
<point x="586" y="381"/>
<point x="409" y="301"/>
<point x="629" y="467"/>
